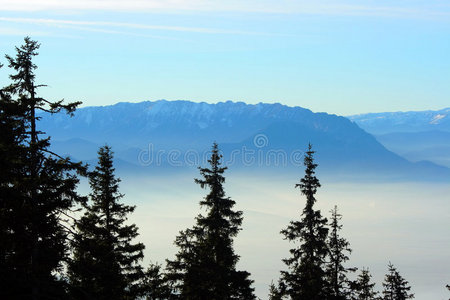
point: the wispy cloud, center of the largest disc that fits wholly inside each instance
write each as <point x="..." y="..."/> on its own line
<point x="98" y="25"/>
<point x="19" y="32"/>
<point x="421" y="9"/>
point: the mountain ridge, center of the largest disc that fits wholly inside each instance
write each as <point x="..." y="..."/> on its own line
<point x="179" y="128"/>
<point x="409" y="121"/>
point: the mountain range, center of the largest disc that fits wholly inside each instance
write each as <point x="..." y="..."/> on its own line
<point x="176" y="134"/>
<point x="415" y="135"/>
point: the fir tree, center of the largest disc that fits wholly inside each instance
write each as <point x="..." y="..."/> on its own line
<point x="306" y="277"/>
<point x="156" y="286"/>
<point x="205" y="266"/>
<point x="339" y="249"/>
<point x="362" y="288"/>
<point x="395" y="286"/>
<point x="275" y="292"/>
<point x="39" y="188"/>
<point x="105" y="261"/>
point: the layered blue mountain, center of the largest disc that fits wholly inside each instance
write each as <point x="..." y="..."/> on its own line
<point x="175" y="134"/>
<point x="411" y="121"/>
<point x="415" y="135"/>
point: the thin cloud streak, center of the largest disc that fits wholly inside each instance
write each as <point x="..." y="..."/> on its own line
<point x="19" y="32"/>
<point x="318" y="7"/>
<point x="55" y="22"/>
<point x="107" y="31"/>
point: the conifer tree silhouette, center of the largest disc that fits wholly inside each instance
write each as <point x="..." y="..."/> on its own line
<point x="106" y="261"/>
<point x="205" y="265"/>
<point x="395" y="286"/>
<point x="306" y="277"/>
<point x="39" y="188"/>
<point x="339" y="249"/>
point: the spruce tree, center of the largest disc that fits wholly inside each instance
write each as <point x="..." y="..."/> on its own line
<point x="395" y="286"/>
<point x="306" y="277"/>
<point x="105" y="261"/>
<point x="275" y="293"/>
<point x="205" y="265"/>
<point x="156" y="285"/>
<point x="339" y="249"/>
<point x="362" y="288"/>
<point x="38" y="191"/>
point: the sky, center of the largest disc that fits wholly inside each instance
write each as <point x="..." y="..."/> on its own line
<point x="342" y="57"/>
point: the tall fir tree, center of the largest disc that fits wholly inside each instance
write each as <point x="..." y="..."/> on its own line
<point x="306" y="276"/>
<point x="362" y="288"/>
<point x="339" y="251"/>
<point x="39" y="190"/>
<point x="395" y="286"/>
<point x="205" y="265"/>
<point x="106" y="261"/>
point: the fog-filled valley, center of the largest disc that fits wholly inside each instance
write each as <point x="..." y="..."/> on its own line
<point x="405" y="222"/>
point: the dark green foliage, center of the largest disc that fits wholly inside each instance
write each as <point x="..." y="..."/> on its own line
<point x="105" y="261"/>
<point x="156" y="286"/>
<point x="275" y="292"/>
<point x="205" y="266"/>
<point x="339" y="249"/>
<point x="395" y="286"/>
<point x="37" y="188"/>
<point x="306" y="277"/>
<point x="362" y="288"/>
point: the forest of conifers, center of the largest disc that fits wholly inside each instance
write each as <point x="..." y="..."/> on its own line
<point x="58" y="244"/>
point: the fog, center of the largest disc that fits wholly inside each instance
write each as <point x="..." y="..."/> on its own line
<point x="405" y="223"/>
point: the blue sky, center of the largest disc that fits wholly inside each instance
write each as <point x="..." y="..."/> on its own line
<point x="342" y="57"/>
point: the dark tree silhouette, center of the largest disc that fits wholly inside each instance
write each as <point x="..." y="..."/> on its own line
<point x="362" y="288"/>
<point x="339" y="249"/>
<point x="395" y="286"/>
<point x="38" y="190"/>
<point x="205" y="265"/>
<point x="12" y="153"/>
<point x="105" y="262"/>
<point x="306" y="277"/>
<point x="156" y="285"/>
<point x="274" y="292"/>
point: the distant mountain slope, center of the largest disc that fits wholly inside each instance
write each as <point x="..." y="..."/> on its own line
<point x="187" y="123"/>
<point x="411" y="121"/>
<point x="264" y="136"/>
<point x="416" y="135"/>
<point x="415" y="146"/>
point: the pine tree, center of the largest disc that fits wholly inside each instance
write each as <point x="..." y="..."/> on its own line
<point x="156" y="286"/>
<point x="362" y="288"/>
<point x="395" y="286"/>
<point x="39" y="190"/>
<point x="106" y="262"/>
<point x="306" y="277"/>
<point x="205" y="265"/>
<point x="339" y="249"/>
